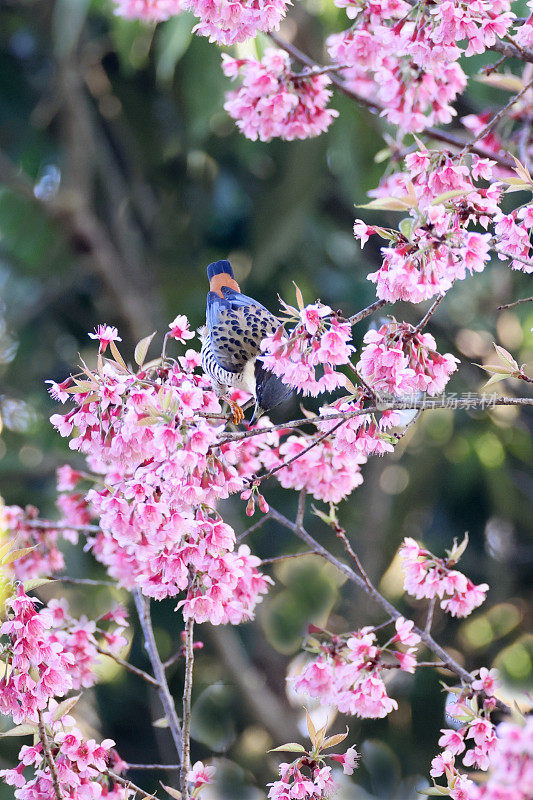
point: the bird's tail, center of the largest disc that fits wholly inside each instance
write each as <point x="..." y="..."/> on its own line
<point x="220" y="274"/>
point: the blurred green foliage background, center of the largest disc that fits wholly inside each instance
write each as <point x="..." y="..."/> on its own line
<point x="122" y="177"/>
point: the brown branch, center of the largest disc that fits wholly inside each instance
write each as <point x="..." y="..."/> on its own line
<point x="129" y="785"/>
<point x="434" y="133"/>
<point x="366" y="312"/>
<point x="187" y="694"/>
<point x="422" y="404"/>
<point x="253" y="527"/>
<point x="516" y="303"/>
<point x="154" y="766"/>
<point x="43" y="736"/>
<point x="425" y="319"/>
<point x="134" y="670"/>
<point x="492" y="122"/>
<point x="372" y="592"/>
<point x="314" y="443"/>
<point x="143" y="610"/>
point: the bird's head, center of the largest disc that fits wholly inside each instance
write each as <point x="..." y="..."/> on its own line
<point x="220" y="274"/>
<point x="270" y="391"/>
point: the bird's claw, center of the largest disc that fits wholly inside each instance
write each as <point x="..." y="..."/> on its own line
<point x="236" y="411"/>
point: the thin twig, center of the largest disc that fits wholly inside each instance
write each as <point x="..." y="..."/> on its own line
<point x="398" y="404"/>
<point x="43" y="736"/>
<point x="286" y="556"/>
<point x="187" y="694"/>
<point x="516" y="303"/>
<point x="134" y="670"/>
<point x="129" y="784"/>
<point x="143" y="609"/>
<point x="314" y="443"/>
<point x="341" y="534"/>
<point x="80" y="581"/>
<point x="431" y="610"/>
<point x="492" y="122"/>
<point x="373" y="105"/>
<point x="425" y="319"/>
<point x="154" y="766"/>
<point x="366" y="312"/>
<point x="253" y="527"/>
<point x="302" y="497"/>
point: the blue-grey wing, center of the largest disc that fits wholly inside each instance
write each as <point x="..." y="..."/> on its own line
<point x="237" y="324"/>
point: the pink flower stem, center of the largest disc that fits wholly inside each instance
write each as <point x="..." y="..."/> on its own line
<point x="43" y="736"/>
<point x="142" y="604"/>
<point x="187" y="693"/>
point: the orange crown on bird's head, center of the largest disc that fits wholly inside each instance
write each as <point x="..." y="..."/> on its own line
<point x="220" y="274"/>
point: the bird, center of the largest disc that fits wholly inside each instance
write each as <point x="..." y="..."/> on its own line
<point x="231" y="343"/>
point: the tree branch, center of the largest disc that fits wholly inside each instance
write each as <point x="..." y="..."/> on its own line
<point x="187" y="694"/>
<point x="142" y="604"/>
<point x="372" y="592"/>
<point x="43" y="736"/>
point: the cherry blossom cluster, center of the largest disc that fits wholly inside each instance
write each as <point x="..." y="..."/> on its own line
<point x="149" y="10"/>
<point x="317" y="339"/>
<point x="82" y="764"/>
<point x="405" y="56"/>
<point x="223" y="21"/>
<point x="433" y="246"/>
<point x="397" y="359"/>
<point x="44" y="558"/>
<point x="273" y="101"/>
<point x="308" y="776"/>
<point x="505" y="751"/>
<point x="83" y="639"/>
<point x="347" y="672"/>
<point x="39" y="667"/>
<point x="149" y="435"/>
<point x="228" y="22"/>
<point x="427" y="576"/>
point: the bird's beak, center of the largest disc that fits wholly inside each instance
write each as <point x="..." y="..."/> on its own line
<point x="258" y="412"/>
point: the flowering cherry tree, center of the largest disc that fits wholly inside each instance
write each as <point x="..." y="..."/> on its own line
<point x="161" y="454"/>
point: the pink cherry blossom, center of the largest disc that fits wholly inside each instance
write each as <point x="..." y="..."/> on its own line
<point x="149" y="10"/>
<point x="105" y="334"/>
<point x="273" y="102"/>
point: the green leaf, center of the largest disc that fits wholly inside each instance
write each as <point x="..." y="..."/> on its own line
<point x="66" y="706"/>
<point x="388" y="204"/>
<point x="20" y="730"/>
<point x="435" y="791"/>
<point x="172" y="42"/>
<point x="290" y="747"/>
<point x="34" y="583"/>
<point x="172" y="792"/>
<point x="162" y="722"/>
<point x="142" y="349"/>
<point x="449" y="196"/>
<point x="16" y="554"/>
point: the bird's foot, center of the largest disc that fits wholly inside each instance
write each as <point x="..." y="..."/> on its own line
<point x="236" y="411"/>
